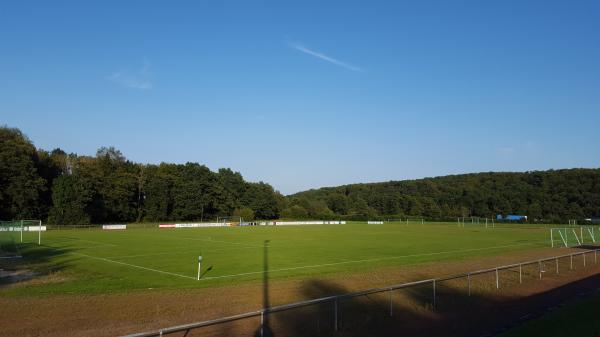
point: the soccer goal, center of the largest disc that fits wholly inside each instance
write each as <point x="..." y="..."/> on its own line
<point x="16" y="232"/>
<point x="475" y="221"/>
<point x="415" y="220"/>
<point x="568" y="237"/>
<point x="233" y="220"/>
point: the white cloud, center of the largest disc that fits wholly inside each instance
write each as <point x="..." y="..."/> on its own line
<point x="140" y="80"/>
<point x="324" y="57"/>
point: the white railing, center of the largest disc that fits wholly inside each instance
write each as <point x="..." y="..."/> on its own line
<point x="335" y="300"/>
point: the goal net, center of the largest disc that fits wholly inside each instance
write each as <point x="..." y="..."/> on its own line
<point x="569" y="237"/>
<point x="475" y="221"/>
<point x="17" y="232"/>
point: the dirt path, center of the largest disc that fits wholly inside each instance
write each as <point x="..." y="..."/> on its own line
<point x="116" y="314"/>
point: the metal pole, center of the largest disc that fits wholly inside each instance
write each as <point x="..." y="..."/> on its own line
<point x="262" y="323"/>
<point x="21" y="231"/>
<point x="571" y="261"/>
<point x="497" y="281"/>
<point x="433" y="294"/>
<point x="469" y="282"/>
<point x="584" y="259"/>
<point x="520" y="273"/>
<point x="540" y="268"/>
<point x="335" y="325"/>
<point x="40" y="233"/>
<point x="391" y="304"/>
<point x="557" y="266"/>
<point x="551" y="239"/>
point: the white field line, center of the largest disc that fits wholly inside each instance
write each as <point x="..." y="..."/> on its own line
<point x="369" y="260"/>
<point x="307" y="266"/>
<point x="219" y="241"/>
<point x="205" y="240"/>
<point x="135" y="266"/>
<point x="92" y="241"/>
<point x="179" y="252"/>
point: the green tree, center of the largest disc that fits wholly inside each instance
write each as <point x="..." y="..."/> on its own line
<point x="245" y="213"/>
<point x="71" y="196"/>
<point x="294" y="212"/>
<point x="20" y="183"/>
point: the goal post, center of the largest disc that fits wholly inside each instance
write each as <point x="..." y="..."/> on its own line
<point x="23" y="231"/>
<point x="233" y="219"/>
<point x="568" y="237"/>
<point x="476" y="221"/>
<point x="415" y="219"/>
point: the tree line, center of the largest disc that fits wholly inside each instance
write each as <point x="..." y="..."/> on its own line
<point x="68" y="189"/>
<point x="550" y="196"/>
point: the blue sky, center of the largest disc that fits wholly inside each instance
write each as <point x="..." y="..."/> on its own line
<point x="309" y="94"/>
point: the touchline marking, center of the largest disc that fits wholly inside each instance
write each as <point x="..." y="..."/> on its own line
<point x="135" y="266"/>
<point x="368" y="260"/>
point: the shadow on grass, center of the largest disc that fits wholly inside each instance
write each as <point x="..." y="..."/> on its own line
<point x="34" y="262"/>
<point x="412" y="312"/>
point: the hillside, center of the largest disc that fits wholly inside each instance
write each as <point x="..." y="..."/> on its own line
<point x="554" y="195"/>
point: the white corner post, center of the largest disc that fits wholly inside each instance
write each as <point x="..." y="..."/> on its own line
<point x="199" y="266"/>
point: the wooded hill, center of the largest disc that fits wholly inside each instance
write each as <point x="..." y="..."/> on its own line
<point x="69" y="189"/>
<point x="555" y="195"/>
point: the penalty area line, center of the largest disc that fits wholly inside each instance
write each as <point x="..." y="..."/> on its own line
<point x="136" y="266"/>
<point x="370" y="260"/>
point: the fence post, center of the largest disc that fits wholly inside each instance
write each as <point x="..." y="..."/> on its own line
<point x="262" y="323"/>
<point x="520" y="273"/>
<point x="497" y="280"/>
<point x="571" y="261"/>
<point x="540" y="268"/>
<point x="335" y="325"/>
<point x="391" y="304"/>
<point x="469" y="282"/>
<point x="551" y="239"/>
<point x="583" y="259"/>
<point x="433" y="294"/>
<point x="557" y="266"/>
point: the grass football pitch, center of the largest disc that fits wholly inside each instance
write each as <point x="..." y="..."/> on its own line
<point x="96" y="261"/>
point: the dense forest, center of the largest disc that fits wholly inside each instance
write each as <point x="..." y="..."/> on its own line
<point x="555" y="195"/>
<point x="68" y="189"/>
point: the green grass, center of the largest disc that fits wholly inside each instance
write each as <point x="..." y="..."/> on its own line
<point x="579" y="318"/>
<point x="96" y="261"/>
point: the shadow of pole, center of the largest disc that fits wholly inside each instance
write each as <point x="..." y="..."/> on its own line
<point x="264" y="329"/>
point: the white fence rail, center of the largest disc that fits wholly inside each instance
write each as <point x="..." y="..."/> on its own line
<point x="335" y="300"/>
